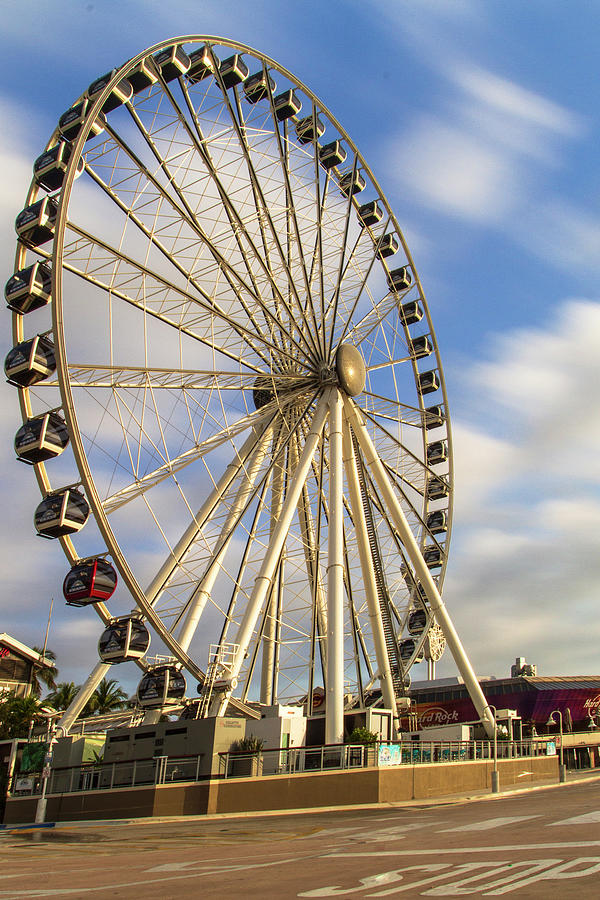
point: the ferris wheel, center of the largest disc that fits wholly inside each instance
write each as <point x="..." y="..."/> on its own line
<point x="216" y="313"/>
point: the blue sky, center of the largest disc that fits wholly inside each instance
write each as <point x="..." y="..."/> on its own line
<point x="480" y="121"/>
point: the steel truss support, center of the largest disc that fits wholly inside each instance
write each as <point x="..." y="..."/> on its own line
<point x="334" y="709"/>
<point x="270" y="562"/>
<point x="203" y="590"/>
<point x="368" y="574"/>
<point x="85" y="692"/>
<point x="422" y="573"/>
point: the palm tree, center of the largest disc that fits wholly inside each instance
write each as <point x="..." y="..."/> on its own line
<point x="107" y="697"/>
<point x="63" y="695"/>
<point x="17" y="714"/>
<point x="43" y="674"/>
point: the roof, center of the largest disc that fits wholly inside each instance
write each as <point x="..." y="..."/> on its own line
<point x="522" y="682"/>
<point x="17" y="647"/>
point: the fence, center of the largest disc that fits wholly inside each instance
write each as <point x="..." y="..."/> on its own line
<point x="281" y="761"/>
<point x="288" y="761"/>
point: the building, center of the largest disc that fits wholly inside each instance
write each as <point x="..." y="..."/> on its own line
<point x="534" y="697"/>
<point x="18" y="665"/>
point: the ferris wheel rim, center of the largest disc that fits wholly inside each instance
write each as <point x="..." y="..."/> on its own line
<point x="58" y="323"/>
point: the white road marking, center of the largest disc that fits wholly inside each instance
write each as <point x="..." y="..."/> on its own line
<point x="488" y="823"/>
<point x="585" y="819"/>
<point x="563" y="845"/>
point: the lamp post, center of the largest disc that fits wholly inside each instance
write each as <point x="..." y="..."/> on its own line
<point x="562" y="769"/>
<point x="495" y="774"/>
<point x="40" y="810"/>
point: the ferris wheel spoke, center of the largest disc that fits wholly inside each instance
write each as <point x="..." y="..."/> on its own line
<point x="170" y="176"/>
<point x="249" y="338"/>
<point x="237" y="121"/>
<point x="237" y="284"/>
<point x="245" y="494"/>
<point x="375" y="316"/>
<point x="172" y="466"/>
<point x="420" y="465"/>
<point x="367" y="234"/>
<point x="236" y="222"/>
<point x="332" y="307"/>
<point x="216" y="499"/>
<point x="130" y="377"/>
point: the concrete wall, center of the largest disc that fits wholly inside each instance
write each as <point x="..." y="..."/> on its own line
<point x="302" y="791"/>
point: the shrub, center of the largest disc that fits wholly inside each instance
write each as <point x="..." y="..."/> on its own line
<point x="249" y="744"/>
<point x="362" y="735"/>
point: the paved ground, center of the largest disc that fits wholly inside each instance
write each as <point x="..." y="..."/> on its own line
<point x="538" y="843"/>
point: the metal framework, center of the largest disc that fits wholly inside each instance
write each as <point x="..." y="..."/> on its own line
<point x="251" y="383"/>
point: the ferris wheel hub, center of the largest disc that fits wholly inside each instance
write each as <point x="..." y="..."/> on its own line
<point x="350" y="368"/>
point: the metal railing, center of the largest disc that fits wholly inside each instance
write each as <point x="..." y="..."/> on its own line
<point x="288" y="761"/>
<point x="160" y="770"/>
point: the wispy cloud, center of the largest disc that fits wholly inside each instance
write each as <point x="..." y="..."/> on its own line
<point x="524" y="563"/>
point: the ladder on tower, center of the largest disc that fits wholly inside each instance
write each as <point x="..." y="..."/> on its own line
<point x="220" y="658"/>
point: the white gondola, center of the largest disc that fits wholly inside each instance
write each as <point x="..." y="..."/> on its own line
<point x="437" y="453"/>
<point x="433" y="556"/>
<point x="437" y="489"/>
<point x="29" y="288"/>
<point x="286" y="105"/>
<point x="161" y="686"/>
<point x="143" y="76"/>
<point x="233" y="70"/>
<point x="408" y="649"/>
<point x="433" y="417"/>
<point x="410" y="313"/>
<point x="172" y="62"/>
<point x="257" y="87"/>
<point x="201" y="65"/>
<point x="50" y="167"/>
<point x="30" y="361"/>
<point x="352" y="183"/>
<point x="399" y="279"/>
<point x="437" y="521"/>
<point x="306" y="131"/>
<point x="71" y="121"/>
<point x="61" y="513"/>
<point x="120" y="94"/>
<point x="90" y="581"/>
<point x="35" y="224"/>
<point x="420" y="347"/>
<point x="370" y="213"/>
<point x="41" y="438"/>
<point x="417" y="622"/>
<point x="123" y="639"/>
<point x="331" y="155"/>
<point x="428" y="382"/>
<point x="387" y="245"/>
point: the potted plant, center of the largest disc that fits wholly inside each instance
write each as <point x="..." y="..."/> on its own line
<point x="362" y="735"/>
<point x="246" y="756"/>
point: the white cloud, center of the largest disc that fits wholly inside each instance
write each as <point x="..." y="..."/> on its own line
<point x="510" y="99"/>
<point x="524" y="566"/>
<point x="454" y="171"/>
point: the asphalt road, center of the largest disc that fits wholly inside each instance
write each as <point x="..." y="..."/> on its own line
<point x="542" y="843"/>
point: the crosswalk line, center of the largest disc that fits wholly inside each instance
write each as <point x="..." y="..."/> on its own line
<point x="585" y="819"/>
<point x="489" y="823"/>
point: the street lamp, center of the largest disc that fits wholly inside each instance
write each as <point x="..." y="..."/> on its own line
<point x="495" y="774"/>
<point x="52" y="728"/>
<point x="562" y="770"/>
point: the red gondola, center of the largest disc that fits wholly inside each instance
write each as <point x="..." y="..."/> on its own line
<point x="89" y="582"/>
